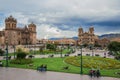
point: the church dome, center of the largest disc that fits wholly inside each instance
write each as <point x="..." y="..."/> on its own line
<point x="32" y="24"/>
<point x="10" y="19"/>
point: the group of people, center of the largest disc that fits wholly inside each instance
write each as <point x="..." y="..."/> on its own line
<point x="42" y="68"/>
<point x="95" y="73"/>
<point x="1" y="64"/>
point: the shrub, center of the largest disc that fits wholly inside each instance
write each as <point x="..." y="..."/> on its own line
<point x="117" y="57"/>
<point x="21" y="55"/>
<point x="97" y="55"/>
<point x="1" y="52"/>
<point x="21" y="61"/>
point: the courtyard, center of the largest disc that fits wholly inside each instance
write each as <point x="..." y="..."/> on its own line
<point x="27" y="74"/>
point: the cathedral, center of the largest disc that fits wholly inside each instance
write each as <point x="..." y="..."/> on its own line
<point x="86" y="37"/>
<point x="14" y="35"/>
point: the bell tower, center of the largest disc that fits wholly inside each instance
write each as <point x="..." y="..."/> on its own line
<point x="80" y="35"/>
<point x="91" y="30"/>
<point x="10" y="23"/>
<point x="32" y="29"/>
<point x="80" y="30"/>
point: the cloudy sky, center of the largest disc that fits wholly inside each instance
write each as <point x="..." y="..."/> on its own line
<point x="62" y="18"/>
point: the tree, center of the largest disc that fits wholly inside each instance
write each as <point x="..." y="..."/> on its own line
<point x="1" y="52"/>
<point x="85" y="45"/>
<point x="114" y="48"/>
<point x="51" y="46"/>
<point x="21" y="54"/>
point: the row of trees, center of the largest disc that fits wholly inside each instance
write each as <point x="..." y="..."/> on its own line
<point x="114" y="48"/>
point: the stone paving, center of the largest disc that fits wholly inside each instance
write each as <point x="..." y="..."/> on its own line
<point x="27" y="74"/>
<point x="100" y="52"/>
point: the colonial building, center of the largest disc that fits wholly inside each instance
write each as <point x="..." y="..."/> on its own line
<point x="102" y="42"/>
<point x="14" y="35"/>
<point x="64" y="41"/>
<point x="86" y="37"/>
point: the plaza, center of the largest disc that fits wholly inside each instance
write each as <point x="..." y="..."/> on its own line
<point x="27" y="74"/>
<point x="44" y="57"/>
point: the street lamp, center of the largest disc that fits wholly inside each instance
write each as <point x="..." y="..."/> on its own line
<point x="34" y="49"/>
<point x="6" y="53"/>
<point x="54" y="47"/>
<point x="81" y="67"/>
<point x="14" y="43"/>
<point x="91" y="48"/>
<point x="14" y="50"/>
<point x="71" y="48"/>
<point x="61" y="49"/>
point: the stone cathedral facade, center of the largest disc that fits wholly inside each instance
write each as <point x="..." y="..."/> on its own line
<point x="86" y="37"/>
<point x="14" y="35"/>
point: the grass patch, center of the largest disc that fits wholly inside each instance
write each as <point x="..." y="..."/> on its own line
<point x="21" y="61"/>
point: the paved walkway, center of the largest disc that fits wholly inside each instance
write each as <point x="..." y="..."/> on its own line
<point x="84" y="52"/>
<point x="26" y="74"/>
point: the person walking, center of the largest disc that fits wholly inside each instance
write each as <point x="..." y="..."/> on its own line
<point x="91" y="73"/>
<point x="1" y="64"/>
<point x="98" y="73"/>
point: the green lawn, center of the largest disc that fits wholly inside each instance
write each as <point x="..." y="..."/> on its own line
<point x="57" y="64"/>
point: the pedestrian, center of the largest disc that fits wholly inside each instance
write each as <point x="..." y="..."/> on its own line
<point x="1" y="64"/>
<point x="98" y="73"/>
<point x="44" y="67"/>
<point x="104" y="55"/>
<point x="91" y="73"/>
<point x="41" y="67"/>
<point x="94" y="73"/>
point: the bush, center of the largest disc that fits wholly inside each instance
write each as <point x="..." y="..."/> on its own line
<point x="21" y="55"/>
<point x="1" y="52"/>
<point x="21" y="61"/>
<point x="117" y="57"/>
<point x="97" y="55"/>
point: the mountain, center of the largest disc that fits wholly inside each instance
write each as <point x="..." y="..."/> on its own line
<point x="55" y="38"/>
<point x="110" y="36"/>
<point x="75" y="38"/>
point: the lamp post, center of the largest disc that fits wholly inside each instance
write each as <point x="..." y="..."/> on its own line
<point x="91" y="48"/>
<point x="61" y="50"/>
<point x="14" y="43"/>
<point x="71" y="48"/>
<point x="34" y="49"/>
<point x="54" y="47"/>
<point x="14" y="50"/>
<point x="6" y="53"/>
<point x="81" y="67"/>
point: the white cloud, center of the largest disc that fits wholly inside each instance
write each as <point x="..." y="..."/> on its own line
<point x="49" y="14"/>
<point x="48" y="31"/>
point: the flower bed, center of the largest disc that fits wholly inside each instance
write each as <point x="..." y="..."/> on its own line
<point x="94" y="62"/>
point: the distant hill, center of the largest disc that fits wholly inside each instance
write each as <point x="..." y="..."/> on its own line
<point x="115" y="36"/>
<point x="109" y="36"/>
<point x="75" y="38"/>
<point x="55" y="38"/>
